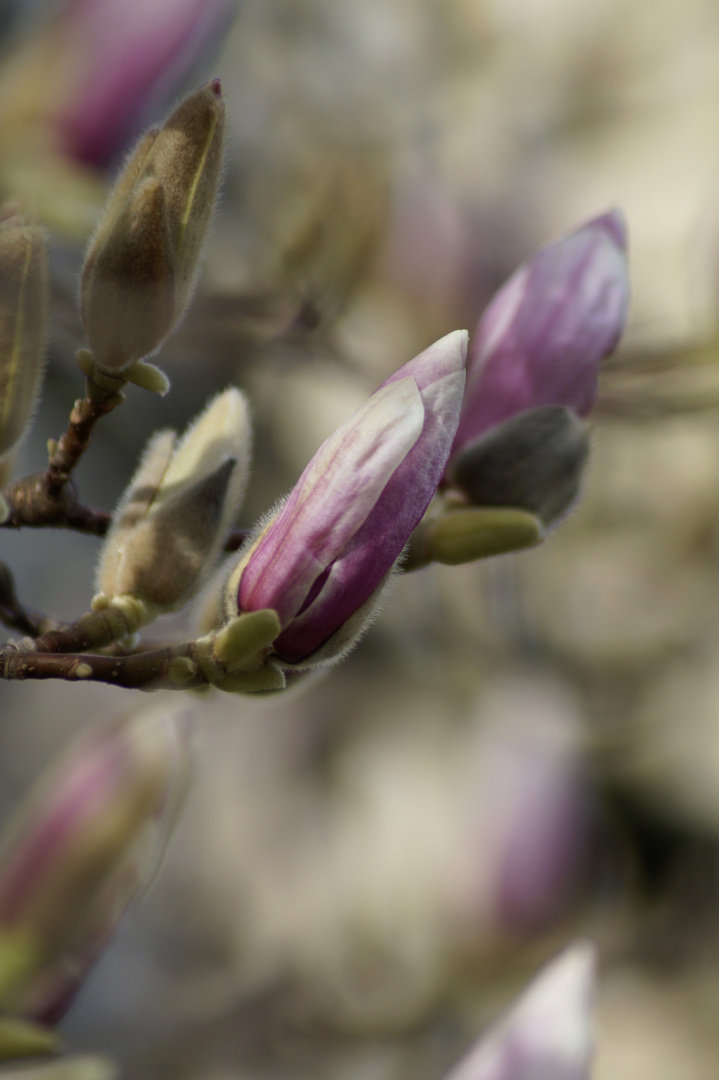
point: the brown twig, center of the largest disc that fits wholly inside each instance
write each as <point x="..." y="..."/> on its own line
<point x="155" y="670"/>
<point x="17" y="617"/>
<point x="102" y="395"/>
<point x="12" y="612"/>
<point x="31" y="505"/>
<point x="49" y="498"/>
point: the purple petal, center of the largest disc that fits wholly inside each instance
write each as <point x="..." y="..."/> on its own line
<point x="544" y="335"/>
<point x="331" y="500"/>
<point x="372" y="551"/>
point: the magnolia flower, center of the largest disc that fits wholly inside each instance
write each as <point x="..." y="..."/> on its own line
<point x="548" y="1033"/>
<point x="322" y="559"/>
<point x="88" y="838"/>
<point x="532" y="373"/>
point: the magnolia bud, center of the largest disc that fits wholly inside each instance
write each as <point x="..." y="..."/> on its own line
<point x="23" y="307"/>
<point x="88" y="837"/>
<point x="323" y="559"/>
<point x="170" y="525"/>
<point x="141" y="266"/>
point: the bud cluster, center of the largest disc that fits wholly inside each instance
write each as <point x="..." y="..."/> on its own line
<point x="473" y="448"/>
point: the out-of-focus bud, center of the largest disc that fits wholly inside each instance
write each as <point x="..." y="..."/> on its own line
<point x="322" y="559"/>
<point x="23" y="309"/>
<point x="129" y="61"/>
<point x="21" y="1038"/>
<point x="170" y="525"/>
<point x="142" y="264"/>
<point x="89" y="836"/>
<point x="532" y="373"/>
<point x="549" y="1031"/>
<point x="529" y="822"/>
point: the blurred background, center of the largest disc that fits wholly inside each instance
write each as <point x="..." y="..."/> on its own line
<point x="521" y="752"/>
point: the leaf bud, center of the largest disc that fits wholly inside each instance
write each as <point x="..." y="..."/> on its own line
<point x="142" y="263"/>
<point x="169" y="527"/>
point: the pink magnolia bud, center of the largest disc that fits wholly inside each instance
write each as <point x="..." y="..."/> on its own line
<point x="548" y="1034"/>
<point x="322" y="558"/>
<point x="87" y="839"/>
<point x="544" y="335"/>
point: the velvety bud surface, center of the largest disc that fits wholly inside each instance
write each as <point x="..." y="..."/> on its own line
<point x="142" y="263"/>
<point x="23" y="311"/>
<point x="533" y="461"/>
<point x="170" y="524"/>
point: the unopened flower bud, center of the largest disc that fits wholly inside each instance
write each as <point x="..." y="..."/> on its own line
<point x="79" y="850"/>
<point x="23" y="310"/>
<point x="323" y="559"/>
<point x="170" y="525"/>
<point x="532" y="373"/>
<point x="142" y="264"/>
<point x="543" y="337"/>
<point x="548" y="1034"/>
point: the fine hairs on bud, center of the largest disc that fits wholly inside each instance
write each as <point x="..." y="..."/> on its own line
<point x="533" y="461"/>
<point x="23" y="314"/>
<point x="169" y="527"/>
<point x="142" y="264"/>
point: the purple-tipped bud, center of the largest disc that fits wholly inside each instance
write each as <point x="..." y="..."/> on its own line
<point x="89" y="836"/>
<point x="549" y="1032"/>
<point x="322" y="558"/>
<point x="544" y="335"/>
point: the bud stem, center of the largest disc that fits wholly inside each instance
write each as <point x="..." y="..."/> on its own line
<point x="226" y="660"/>
<point x="98" y="402"/>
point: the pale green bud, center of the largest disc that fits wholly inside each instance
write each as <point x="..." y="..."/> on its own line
<point x="23" y="309"/>
<point x="169" y="527"/>
<point x="143" y="261"/>
<point x="462" y="536"/>
<point x="75" y="1067"/>
<point x="22" y="1038"/>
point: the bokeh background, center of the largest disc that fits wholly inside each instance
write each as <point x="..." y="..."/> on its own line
<point x="522" y="751"/>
